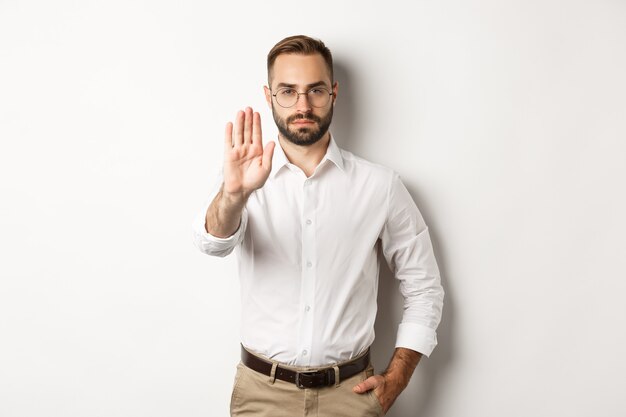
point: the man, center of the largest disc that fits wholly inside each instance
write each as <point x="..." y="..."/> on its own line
<point x="307" y="219"/>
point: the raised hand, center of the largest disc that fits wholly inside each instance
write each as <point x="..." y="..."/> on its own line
<point x="246" y="164"/>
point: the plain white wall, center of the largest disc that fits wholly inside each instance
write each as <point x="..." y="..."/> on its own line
<point x="506" y="120"/>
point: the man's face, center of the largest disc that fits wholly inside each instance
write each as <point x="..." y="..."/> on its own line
<point x="301" y="124"/>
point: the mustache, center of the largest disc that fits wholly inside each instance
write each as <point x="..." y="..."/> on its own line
<point x="301" y="116"/>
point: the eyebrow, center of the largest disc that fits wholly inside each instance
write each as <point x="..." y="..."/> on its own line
<point x="315" y="84"/>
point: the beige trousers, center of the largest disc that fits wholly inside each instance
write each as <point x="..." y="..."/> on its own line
<point x="258" y="395"/>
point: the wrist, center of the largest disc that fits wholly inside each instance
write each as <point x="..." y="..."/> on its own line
<point x="397" y="380"/>
<point x="235" y="197"/>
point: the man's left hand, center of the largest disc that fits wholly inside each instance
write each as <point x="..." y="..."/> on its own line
<point x="390" y="383"/>
<point x="386" y="389"/>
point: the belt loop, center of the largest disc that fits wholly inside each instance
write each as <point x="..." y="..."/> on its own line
<point x="336" y="368"/>
<point x="273" y="373"/>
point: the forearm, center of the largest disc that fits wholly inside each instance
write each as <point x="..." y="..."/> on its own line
<point x="224" y="213"/>
<point x="401" y="367"/>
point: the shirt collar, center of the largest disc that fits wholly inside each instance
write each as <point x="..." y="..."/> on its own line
<point x="333" y="154"/>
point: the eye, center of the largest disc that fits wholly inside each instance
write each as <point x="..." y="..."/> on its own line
<point x="317" y="91"/>
<point x="287" y="92"/>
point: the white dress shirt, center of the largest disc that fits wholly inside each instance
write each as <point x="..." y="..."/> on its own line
<point x="308" y="264"/>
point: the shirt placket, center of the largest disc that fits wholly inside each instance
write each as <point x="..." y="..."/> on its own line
<point x="309" y="268"/>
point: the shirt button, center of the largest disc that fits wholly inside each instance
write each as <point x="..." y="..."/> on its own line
<point x="308" y="221"/>
<point x="307" y="308"/>
<point x="309" y="264"/>
<point x="304" y="352"/>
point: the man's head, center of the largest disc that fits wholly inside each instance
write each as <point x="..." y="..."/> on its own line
<point x="301" y="89"/>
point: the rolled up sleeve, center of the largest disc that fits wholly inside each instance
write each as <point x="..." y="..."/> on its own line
<point x="408" y="250"/>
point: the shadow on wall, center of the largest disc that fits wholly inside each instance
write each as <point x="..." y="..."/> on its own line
<point x="347" y="109"/>
<point x="421" y="394"/>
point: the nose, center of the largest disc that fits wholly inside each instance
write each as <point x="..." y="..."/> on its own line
<point x="302" y="104"/>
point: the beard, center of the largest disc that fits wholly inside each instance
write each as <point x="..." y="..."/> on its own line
<point x="306" y="135"/>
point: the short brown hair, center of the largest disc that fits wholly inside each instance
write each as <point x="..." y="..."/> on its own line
<point x="302" y="45"/>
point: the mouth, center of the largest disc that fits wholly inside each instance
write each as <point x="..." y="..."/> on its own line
<point x="303" y="122"/>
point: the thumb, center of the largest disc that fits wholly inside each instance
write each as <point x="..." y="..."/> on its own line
<point x="367" y="385"/>
<point x="268" y="151"/>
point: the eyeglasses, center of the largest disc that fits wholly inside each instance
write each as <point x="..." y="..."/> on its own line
<point x="288" y="97"/>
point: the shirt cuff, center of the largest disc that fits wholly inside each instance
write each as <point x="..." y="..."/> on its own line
<point x="218" y="246"/>
<point x="416" y="337"/>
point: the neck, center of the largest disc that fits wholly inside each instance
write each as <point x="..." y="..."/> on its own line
<point x="307" y="158"/>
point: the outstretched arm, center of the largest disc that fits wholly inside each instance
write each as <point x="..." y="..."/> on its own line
<point x="246" y="168"/>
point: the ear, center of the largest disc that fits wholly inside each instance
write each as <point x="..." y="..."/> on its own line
<point x="335" y="90"/>
<point x="268" y="96"/>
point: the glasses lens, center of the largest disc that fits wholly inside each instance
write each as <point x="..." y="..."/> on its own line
<point x="286" y="97"/>
<point x="318" y="97"/>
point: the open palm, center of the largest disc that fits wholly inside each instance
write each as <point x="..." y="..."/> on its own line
<point x="246" y="164"/>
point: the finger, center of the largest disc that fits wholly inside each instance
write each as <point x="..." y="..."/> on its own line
<point x="247" y="126"/>
<point x="238" y="137"/>
<point x="228" y="136"/>
<point x="367" y="385"/>
<point x="268" y="151"/>
<point x="257" y="136"/>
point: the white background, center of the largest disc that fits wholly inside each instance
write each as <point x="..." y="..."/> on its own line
<point x="505" y="119"/>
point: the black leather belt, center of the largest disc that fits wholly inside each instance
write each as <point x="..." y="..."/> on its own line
<point x="323" y="377"/>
